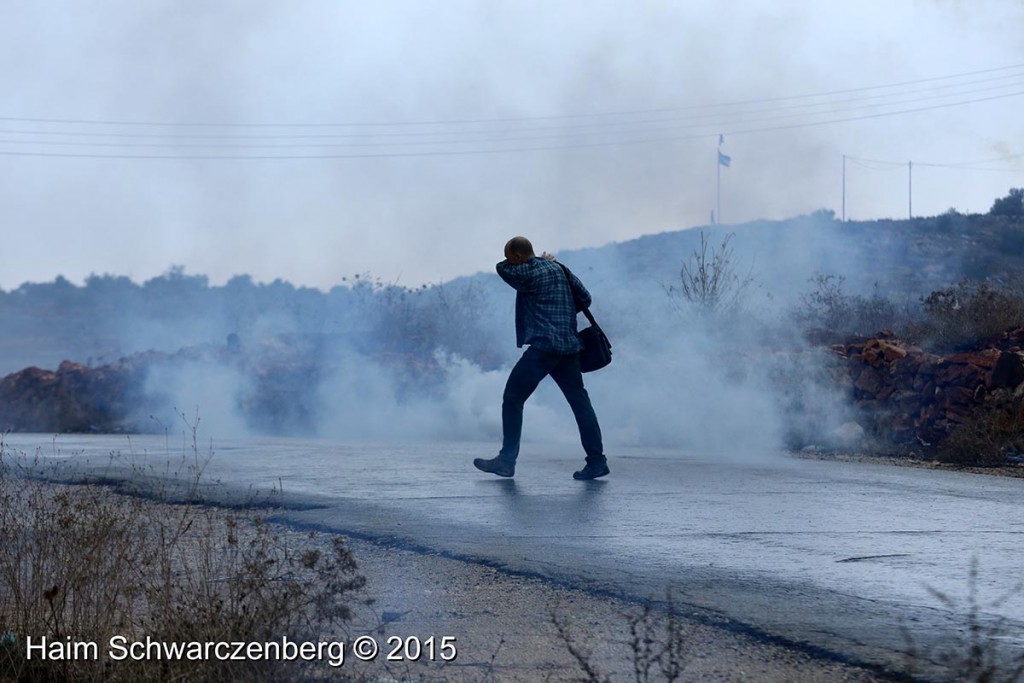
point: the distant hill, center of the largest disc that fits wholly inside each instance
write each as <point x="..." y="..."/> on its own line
<point x="111" y="316"/>
<point x="903" y="257"/>
<point x="373" y="360"/>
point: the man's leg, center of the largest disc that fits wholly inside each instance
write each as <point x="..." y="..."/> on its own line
<point x="532" y="367"/>
<point x="570" y="380"/>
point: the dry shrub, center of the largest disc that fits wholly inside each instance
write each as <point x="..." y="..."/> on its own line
<point x="978" y="651"/>
<point x="87" y="563"/>
<point x="830" y="314"/>
<point x="658" y="644"/>
<point x="947" y="320"/>
<point x="709" y="282"/>
<point x="993" y="433"/>
<point x="65" y="571"/>
<point x="956" y="318"/>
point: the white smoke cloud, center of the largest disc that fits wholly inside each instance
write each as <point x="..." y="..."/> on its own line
<point x="431" y="218"/>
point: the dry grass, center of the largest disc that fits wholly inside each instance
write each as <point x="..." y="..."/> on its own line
<point x="995" y="431"/>
<point x="82" y="562"/>
<point x="978" y="652"/>
<point x="658" y="643"/>
<point x="956" y="318"/>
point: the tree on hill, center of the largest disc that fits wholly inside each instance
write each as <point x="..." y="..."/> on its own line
<point x="1011" y="205"/>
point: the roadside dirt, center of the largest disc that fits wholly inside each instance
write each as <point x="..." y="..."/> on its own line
<point x="911" y="461"/>
<point x="509" y="627"/>
<point x="505" y="631"/>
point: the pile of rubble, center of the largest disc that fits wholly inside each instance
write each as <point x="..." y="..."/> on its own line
<point x="121" y="397"/>
<point x="905" y="394"/>
<point x="74" y="398"/>
<point x="275" y="387"/>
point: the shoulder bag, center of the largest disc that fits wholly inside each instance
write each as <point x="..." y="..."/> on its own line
<point x="597" y="350"/>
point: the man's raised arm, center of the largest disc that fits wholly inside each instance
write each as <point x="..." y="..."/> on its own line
<point x="519" y="276"/>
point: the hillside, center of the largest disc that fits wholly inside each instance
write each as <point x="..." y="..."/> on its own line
<point x="111" y="316"/>
<point x="367" y="356"/>
<point x="903" y="257"/>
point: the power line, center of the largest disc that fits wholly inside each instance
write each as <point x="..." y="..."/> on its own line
<point x="874" y="116"/>
<point x="179" y="124"/>
<point x="873" y="165"/>
<point x="477" y="152"/>
<point x="981" y="168"/>
<point x="560" y="128"/>
<point x="565" y="135"/>
<point x="454" y="136"/>
<point x="890" y="165"/>
<point x="970" y="165"/>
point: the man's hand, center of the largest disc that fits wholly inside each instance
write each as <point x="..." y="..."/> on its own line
<point x="547" y="256"/>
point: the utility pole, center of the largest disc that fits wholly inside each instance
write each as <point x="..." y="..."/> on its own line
<point x="910" y="190"/>
<point x="844" y="188"/>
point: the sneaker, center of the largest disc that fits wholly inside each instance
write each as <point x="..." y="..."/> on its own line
<point x="592" y="471"/>
<point x="495" y="466"/>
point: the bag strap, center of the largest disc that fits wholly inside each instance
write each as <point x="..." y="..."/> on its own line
<point x="576" y="299"/>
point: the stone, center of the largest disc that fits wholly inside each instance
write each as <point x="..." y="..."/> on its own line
<point x="985" y="359"/>
<point x="868" y="381"/>
<point x="891" y="352"/>
<point x="1008" y="371"/>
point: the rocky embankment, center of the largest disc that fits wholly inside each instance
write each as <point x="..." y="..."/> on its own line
<point x="901" y="394"/>
<point x="906" y="395"/>
<point x="121" y="396"/>
<point x="73" y="398"/>
<point x="273" y="384"/>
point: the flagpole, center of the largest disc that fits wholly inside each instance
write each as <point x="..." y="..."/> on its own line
<point x="718" y="191"/>
<point x="720" y="161"/>
<point x="718" y="185"/>
<point x="844" y="188"/>
<point x="910" y="190"/>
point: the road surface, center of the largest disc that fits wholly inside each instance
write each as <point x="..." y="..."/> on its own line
<point x="838" y="558"/>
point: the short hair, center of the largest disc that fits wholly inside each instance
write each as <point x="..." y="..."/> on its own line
<point x="521" y="246"/>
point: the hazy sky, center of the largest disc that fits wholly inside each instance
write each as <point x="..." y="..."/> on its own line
<point x="575" y="123"/>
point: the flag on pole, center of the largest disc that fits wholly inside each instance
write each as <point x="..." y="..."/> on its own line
<point x="724" y="159"/>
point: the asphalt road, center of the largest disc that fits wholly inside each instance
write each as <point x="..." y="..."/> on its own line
<point x="842" y="559"/>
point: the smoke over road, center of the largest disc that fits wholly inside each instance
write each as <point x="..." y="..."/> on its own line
<point x="370" y="360"/>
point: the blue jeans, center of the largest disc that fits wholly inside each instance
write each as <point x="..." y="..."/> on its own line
<point x="534" y="366"/>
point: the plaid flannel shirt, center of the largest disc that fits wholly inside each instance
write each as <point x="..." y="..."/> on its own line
<point x="545" y="311"/>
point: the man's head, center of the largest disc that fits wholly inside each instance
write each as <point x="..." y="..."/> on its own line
<point x="518" y="250"/>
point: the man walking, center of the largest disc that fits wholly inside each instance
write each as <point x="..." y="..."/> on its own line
<point x="546" y="322"/>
